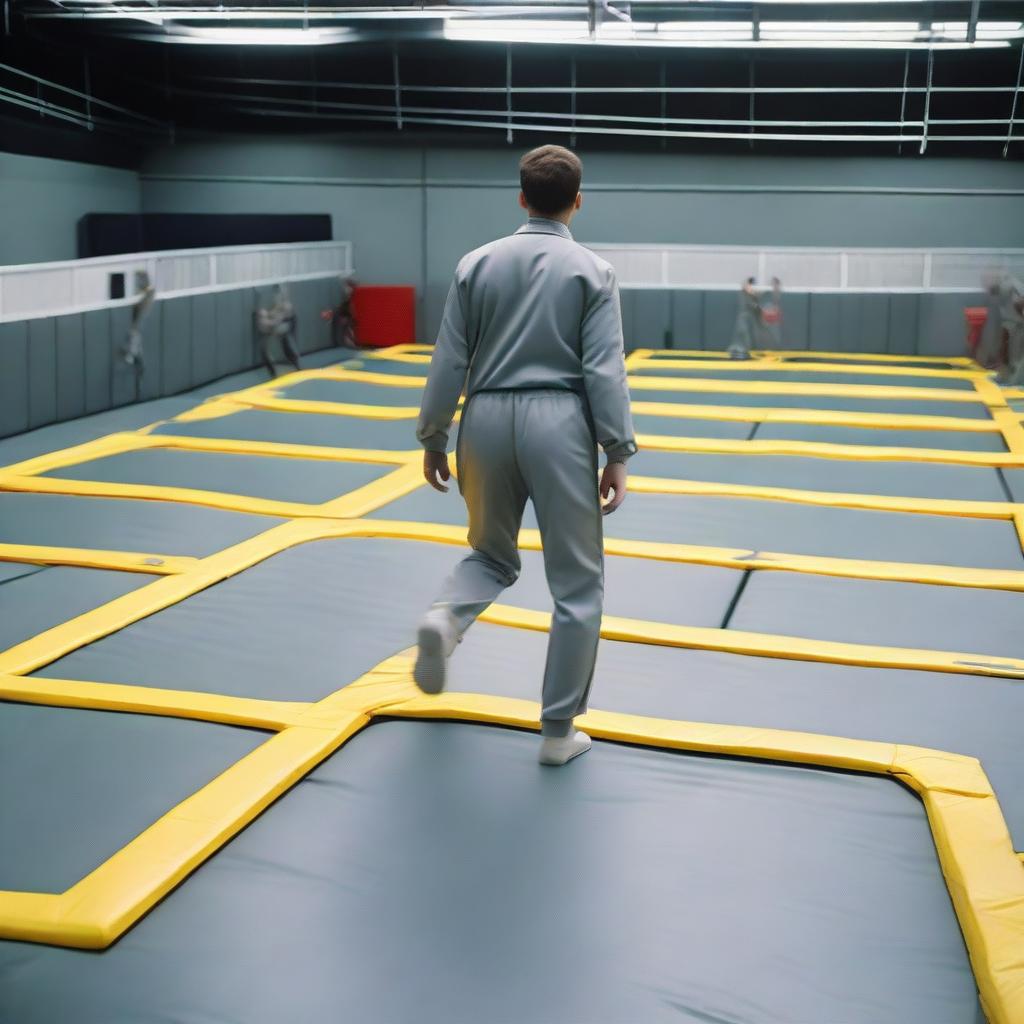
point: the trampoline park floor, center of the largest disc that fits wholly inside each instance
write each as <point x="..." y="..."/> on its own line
<point x="224" y="798"/>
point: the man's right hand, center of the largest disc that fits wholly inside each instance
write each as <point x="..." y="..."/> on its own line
<point x="613" y="480"/>
<point x="435" y="470"/>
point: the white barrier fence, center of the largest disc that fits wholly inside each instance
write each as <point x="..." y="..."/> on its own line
<point x="35" y="290"/>
<point x="808" y="269"/>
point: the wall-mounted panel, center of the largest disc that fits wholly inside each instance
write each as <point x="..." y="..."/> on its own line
<point x="204" y="339"/>
<point x="903" y="322"/>
<point x="176" y="328"/>
<point x="796" y="312"/>
<point x="686" y="328"/>
<point x="70" y="366"/>
<point x="14" y="379"/>
<point x="719" y="318"/>
<point x="652" y="316"/>
<point x="824" y="321"/>
<point x="96" y="346"/>
<point x="234" y="330"/>
<point x="125" y="383"/>
<point x="42" y="372"/>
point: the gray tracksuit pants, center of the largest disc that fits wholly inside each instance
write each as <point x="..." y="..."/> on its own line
<point x="535" y="444"/>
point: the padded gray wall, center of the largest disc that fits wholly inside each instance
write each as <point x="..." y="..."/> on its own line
<point x="411" y="212"/>
<point x="41" y="201"/>
<point x="926" y="324"/>
<point x="58" y="368"/>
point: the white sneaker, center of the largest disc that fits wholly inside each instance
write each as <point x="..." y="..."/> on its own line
<point x="558" y="750"/>
<point x="437" y="639"/>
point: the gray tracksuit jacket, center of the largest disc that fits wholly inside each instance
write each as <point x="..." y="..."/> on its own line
<point x="532" y="310"/>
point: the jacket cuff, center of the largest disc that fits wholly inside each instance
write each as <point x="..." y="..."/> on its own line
<point x="620" y="452"/>
<point x="435" y="443"/>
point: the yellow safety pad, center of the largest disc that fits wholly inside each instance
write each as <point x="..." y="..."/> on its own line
<point x="765" y="387"/>
<point x="775" y="365"/>
<point x="668" y="355"/>
<point x="89" y="558"/>
<point x="827" y="450"/>
<point x="824" y="417"/>
<point x="831" y="499"/>
<point x="770" y="645"/>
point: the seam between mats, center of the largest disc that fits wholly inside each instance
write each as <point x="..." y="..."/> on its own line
<point x="1005" y="486"/>
<point x="747" y="573"/>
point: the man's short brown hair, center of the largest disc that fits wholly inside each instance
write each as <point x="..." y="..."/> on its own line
<point x="550" y="179"/>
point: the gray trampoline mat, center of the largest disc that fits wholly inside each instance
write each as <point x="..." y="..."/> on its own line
<point x="118" y="524"/>
<point x="869" y="361"/>
<point x="355" y="391"/>
<point x="37" y="601"/>
<point x="395" y="367"/>
<point x="678" y="426"/>
<point x="17" y="570"/>
<point x="283" y="479"/>
<point x="1015" y="482"/>
<point x="787" y="527"/>
<point x="855" y="476"/>
<point x="962" y="714"/>
<point x="935" y="618"/>
<point x="637" y="885"/>
<point x="814" y="377"/>
<point x="841" y="403"/>
<point x="82" y="784"/>
<point x="350" y="604"/>
<point x="954" y="440"/>
<point x="304" y="428"/>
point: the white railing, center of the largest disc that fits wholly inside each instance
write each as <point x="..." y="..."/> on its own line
<point x="807" y="269"/>
<point x="34" y="290"/>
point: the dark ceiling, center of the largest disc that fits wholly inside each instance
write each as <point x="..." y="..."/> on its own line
<point x="129" y="75"/>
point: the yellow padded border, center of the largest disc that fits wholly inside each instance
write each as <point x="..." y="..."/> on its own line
<point x="827" y="450"/>
<point x="407" y="475"/>
<point x="770" y="645"/>
<point x="820" y="417"/>
<point x="764" y="387"/>
<point x="774" y="365"/>
<point x="829" y="499"/>
<point x="48" y="646"/>
<point x="984" y="875"/>
<point x="796" y="354"/>
<point x="88" y="558"/>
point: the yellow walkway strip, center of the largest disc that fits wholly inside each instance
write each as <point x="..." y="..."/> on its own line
<point x="777" y="366"/>
<point x="87" y="558"/>
<point x="827" y="450"/>
<point x="829" y="499"/>
<point x="818" y="417"/>
<point x="766" y="645"/>
<point x="796" y="355"/>
<point x="763" y="387"/>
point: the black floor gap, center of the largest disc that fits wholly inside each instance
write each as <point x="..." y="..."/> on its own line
<point x="736" y="598"/>
<point x="1005" y="486"/>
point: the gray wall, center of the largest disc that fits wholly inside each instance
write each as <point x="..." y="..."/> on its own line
<point x="41" y="201"/>
<point x="58" y="368"/>
<point x="411" y="212"/>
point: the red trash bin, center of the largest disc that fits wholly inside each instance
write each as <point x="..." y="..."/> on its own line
<point x="385" y="314"/>
<point x="976" y="317"/>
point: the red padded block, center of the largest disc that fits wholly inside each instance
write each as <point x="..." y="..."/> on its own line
<point x="385" y="314"/>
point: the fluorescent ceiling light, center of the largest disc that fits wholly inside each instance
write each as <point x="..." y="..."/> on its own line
<point x="262" y="36"/>
<point x="728" y="34"/>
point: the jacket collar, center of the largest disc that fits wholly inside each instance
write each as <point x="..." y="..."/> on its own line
<point x="543" y="226"/>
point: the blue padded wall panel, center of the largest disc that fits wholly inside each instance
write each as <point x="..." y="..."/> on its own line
<point x="719" y="318"/>
<point x="70" y="366"/>
<point x="234" y="328"/>
<point x="96" y="347"/>
<point x="176" y="330"/>
<point x="824" y="320"/>
<point x="204" y="339"/>
<point x="627" y="299"/>
<point x="122" y="376"/>
<point x="874" y="323"/>
<point x="796" y="311"/>
<point x="42" y="371"/>
<point x="903" y="320"/>
<point x="14" y="378"/>
<point x="652" y="315"/>
<point x="687" y="320"/>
